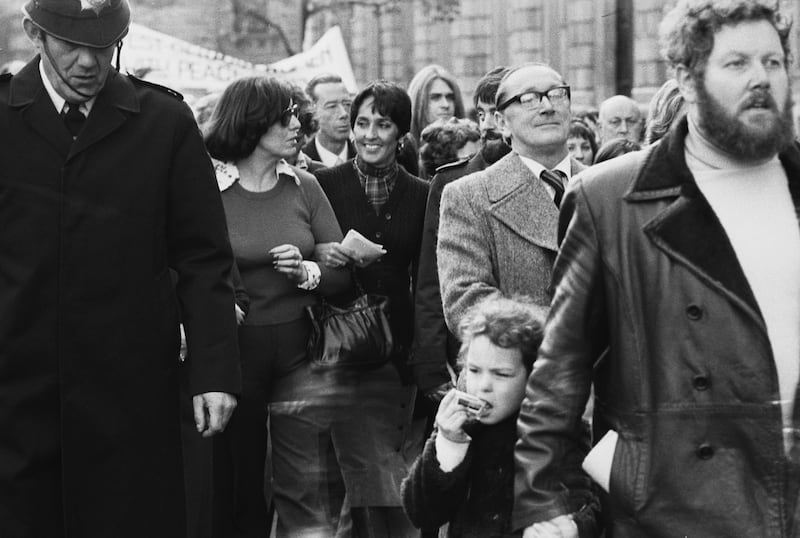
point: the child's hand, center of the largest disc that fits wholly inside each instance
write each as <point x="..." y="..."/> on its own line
<point x="450" y="419"/>
<point x="558" y="527"/>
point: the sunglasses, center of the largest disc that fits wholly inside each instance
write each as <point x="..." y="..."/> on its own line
<point x="530" y="99"/>
<point x="288" y="114"/>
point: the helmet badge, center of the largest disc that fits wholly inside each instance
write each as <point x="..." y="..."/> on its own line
<point x="95" y="5"/>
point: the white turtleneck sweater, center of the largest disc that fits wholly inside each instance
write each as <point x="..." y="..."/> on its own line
<point x="753" y="203"/>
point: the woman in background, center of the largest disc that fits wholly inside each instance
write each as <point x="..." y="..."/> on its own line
<point x="276" y="215"/>
<point x="377" y="437"/>
<point x="581" y="142"/>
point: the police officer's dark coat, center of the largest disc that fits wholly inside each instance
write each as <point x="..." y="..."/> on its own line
<point x="89" y="436"/>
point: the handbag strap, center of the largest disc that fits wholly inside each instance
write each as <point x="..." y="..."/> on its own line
<point x="356" y="281"/>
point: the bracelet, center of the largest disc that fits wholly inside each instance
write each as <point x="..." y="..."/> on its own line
<point x="313" y="275"/>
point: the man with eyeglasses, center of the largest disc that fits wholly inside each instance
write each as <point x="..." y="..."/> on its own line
<point x="497" y="233"/>
<point x="331" y="145"/>
<point x="105" y="189"/>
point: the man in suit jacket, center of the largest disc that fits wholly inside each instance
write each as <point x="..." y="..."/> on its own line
<point x="497" y="232"/>
<point x="105" y="188"/>
<point x="331" y="145"/>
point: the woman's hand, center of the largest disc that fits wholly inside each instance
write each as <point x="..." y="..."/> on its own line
<point x="334" y="255"/>
<point x="450" y="419"/>
<point x="287" y="259"/>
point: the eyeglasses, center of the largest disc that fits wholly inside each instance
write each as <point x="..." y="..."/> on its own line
<point x="530" y="99"/>
<point x="288" y="114"/>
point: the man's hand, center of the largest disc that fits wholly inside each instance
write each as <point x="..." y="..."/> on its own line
<point x="558" y="527"/>
<point x="212" y="410"/>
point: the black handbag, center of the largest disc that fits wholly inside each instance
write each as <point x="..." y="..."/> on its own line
<point x="356" y="335"/>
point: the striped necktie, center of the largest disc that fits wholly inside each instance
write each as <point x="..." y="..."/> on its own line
<point x="556" y="179"/>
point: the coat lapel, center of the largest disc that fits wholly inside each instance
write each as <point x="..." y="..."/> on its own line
<point x="688" y="230"/>
<point x="114" y="104"/>
<point x="519" y="201"/>
<point x="28" y="95"/>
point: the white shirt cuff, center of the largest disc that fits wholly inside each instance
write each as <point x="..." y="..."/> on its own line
<point x="448" y="453"/>
<point x="313" y="275"/>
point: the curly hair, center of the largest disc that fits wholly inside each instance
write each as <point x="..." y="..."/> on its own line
<point x="687" y="31"/>
<point x="511" y="323"/>
<point x="246" y="110"/>
<point x="441" y="141"/>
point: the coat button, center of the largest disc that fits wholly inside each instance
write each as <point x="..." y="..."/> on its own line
<point x="694" y="312"/>
<point x="705" y="451"/>
<point x="378" y="234"/>
<point x="701" y="382"/>
<point x="388" y="216"/>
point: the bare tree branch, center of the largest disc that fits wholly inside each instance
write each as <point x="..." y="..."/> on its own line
<point x="266" y="21"/>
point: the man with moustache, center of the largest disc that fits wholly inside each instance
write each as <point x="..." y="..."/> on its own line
<point x="678" y="296"/>
<point x="105" y="189"/>
<point x="331" y="145"/>
<point x="434" y="345"/>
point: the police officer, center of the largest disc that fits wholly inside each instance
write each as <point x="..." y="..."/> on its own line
<point x="105" y="187"/>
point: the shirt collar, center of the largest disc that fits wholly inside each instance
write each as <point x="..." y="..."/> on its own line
<point x="328" y="157"/>
<point x="228" y="174"/>
<point x="58" y="101"/>
<point x="564" y="166"/>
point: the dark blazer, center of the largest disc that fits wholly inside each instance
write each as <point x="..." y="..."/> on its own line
<point x="434" y="344"/>
<point x="652" y="306"/>
<point x="310" y="149"/>
<point x="398" y="228"/>
<point x="497" y="234"/>
<point x="89" y="333"/>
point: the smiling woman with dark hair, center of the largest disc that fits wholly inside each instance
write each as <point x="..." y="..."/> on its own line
<point x="276" y="214"/>
<point x="375" y="196"/>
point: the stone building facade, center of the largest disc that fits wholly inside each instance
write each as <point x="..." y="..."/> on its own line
<point x="583" y="39"/>
<point x="599" y="52"/>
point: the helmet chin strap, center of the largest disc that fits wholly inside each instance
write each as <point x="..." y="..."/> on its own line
<point x="119" y="53"/>
<point x="46" y="49"/>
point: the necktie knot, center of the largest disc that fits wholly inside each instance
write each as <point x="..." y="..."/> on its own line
<point x="555" y="179"/>
<point x="74" y="119"/>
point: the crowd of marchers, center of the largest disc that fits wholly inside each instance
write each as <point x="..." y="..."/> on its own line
<point x="594" y="313"/>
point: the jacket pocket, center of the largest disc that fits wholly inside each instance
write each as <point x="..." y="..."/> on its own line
<point x="629" y="467"/>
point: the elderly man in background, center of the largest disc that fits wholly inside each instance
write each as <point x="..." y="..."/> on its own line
<point x="620" y="117"/>
<point x="331" y="145"/>
<point x="105" y="188"/>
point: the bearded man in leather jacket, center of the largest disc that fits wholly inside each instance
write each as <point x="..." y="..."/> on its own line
<point x="677" y="293"/>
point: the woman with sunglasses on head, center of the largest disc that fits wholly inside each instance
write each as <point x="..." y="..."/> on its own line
<point x="376" y="434"/>
<point x="276" y="215"/>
